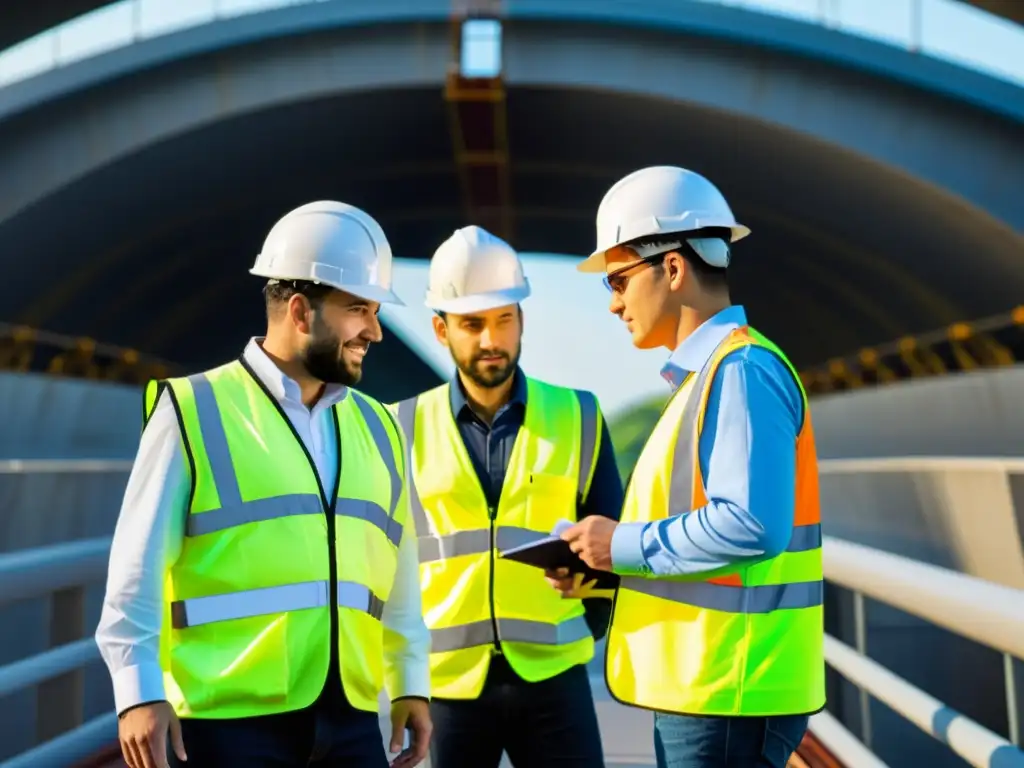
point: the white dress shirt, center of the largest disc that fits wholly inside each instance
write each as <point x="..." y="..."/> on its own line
<point x="150" y="531"/>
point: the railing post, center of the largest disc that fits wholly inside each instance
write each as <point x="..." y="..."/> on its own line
<point x="1012" y="713"/>
<point x="59" y="701"/>
<point x="860" y="633"/>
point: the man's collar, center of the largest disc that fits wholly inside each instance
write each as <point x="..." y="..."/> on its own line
<point x="458" y="395"/>
<point x="697" y="348"/>
<point x="281" y="386"/>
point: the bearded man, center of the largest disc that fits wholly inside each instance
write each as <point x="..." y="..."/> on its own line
<point x="497" y="459"/>
<point x="263" y="588"/>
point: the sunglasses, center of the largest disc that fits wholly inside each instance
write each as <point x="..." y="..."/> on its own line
<point x="713" y="251"/>
<point x="617" y="280"/>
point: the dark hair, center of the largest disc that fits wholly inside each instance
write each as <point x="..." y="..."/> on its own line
<point x="712" y="278"/>
<point x="278" y="292"/>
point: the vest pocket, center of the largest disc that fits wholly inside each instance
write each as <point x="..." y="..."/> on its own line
<point x="219" y="668"/>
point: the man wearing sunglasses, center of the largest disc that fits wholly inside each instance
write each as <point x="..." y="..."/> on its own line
<point x="717" y="624"/>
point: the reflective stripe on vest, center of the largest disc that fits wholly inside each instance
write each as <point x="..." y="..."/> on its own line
<point x="746" y="643"/>
<point x="472" y="542"/>
<point x="539" y="633"/>
<point x="280" y="599"/>
<point x="249" y="608"/>
<point x="234" y="511"/>
<point x="511" y="631"/>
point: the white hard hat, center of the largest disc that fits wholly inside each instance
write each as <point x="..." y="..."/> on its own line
<point x="473" y="271"/>
<point x="332" y="244"/>
<point x="661" y="200"/>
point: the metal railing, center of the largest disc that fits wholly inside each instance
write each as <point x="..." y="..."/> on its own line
<point x="991" y="342"/>
<point x="943" y="509"/>
<point x="987" y="613"/>
<point x="915" y="25"/>
<point x="61" y="571"/>
<point x="24" y="349"/>
<point x="981" y="611"/>
<point x="904" y="464"/>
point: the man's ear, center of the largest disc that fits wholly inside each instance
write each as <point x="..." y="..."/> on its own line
<point x="440" y="330"/>
<point x="301" y="313"/>
<point x="675" y="270"/>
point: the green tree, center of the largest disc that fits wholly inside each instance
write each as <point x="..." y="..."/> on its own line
<point x="629" y="430"/>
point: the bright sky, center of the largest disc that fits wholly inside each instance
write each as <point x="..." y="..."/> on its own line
<point x="570" y="336"/>
<point x="946" y="28"/>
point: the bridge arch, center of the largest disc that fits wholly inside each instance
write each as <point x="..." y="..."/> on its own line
<point x="881" y="205"/>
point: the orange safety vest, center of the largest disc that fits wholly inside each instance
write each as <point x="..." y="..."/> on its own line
<point x="745" y="642"/>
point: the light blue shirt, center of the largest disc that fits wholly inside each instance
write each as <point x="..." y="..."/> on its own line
<point x="747" y="456"/>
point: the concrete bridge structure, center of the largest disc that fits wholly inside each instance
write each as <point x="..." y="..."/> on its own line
<point x="882" y="184"/>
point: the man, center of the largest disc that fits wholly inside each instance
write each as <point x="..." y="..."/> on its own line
<point x="497" y="459"/>
<point x="717" y="624"/>
<point x="262" y="588"/>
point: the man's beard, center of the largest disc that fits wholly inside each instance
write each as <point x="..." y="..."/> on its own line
<point x="488" y="375"/>
<point x="323" y="359"/>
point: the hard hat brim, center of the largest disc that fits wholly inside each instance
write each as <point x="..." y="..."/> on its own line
<point x="372" y="293"/>
<point x="369" y="292"/>
<point x="597" y="261"/>
<point x="481" y="302"/>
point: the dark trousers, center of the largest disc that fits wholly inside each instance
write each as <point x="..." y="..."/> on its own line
<point x="681" y="741"/>
<point x="330" y="734"/>
<point x="550" y="724"/>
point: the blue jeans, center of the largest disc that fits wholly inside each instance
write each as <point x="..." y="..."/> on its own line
<point x="682" y="741"/>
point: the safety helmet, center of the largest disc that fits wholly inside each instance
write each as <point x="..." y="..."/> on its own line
<point x="662" y="200"/>
<point x="473" y="271"/>
<point x="330" y="243"/>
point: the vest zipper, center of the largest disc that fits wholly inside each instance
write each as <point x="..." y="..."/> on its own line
<point x="334" y="664"/>
<point x="492" y="514"/>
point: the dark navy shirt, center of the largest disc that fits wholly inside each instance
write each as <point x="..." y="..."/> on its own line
<point x="490" y="448"/>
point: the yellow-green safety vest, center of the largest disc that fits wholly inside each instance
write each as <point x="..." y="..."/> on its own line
<point x="248" y="603"/>
<point x="742" y="641"/>
<point x="474" y="602"/>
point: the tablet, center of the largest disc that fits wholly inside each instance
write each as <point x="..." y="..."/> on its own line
<point x="550" y="552"/>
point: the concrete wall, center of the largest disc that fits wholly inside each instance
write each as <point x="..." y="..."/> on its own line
<point x="968" y="414"/>
<point x="50" y="418"/>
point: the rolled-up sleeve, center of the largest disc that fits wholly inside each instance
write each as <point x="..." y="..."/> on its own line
<point x="748" y="459"/>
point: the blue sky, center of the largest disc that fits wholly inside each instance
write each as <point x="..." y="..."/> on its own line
<point x="948" y="28"/>
<point x="570" y="337"/>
